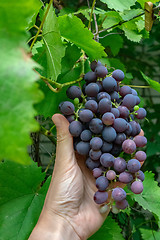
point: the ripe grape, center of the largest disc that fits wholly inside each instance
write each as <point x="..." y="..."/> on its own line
<point x="95" y="64"/>
<point x="107" y="160"/>
<point x="104" y="105"/>
<point x="85" y="115"/>
<point x="70" y="118"/>
<point x="96" y="125"/>
<point x="141" y="113"/>
<point x="74" y="92"/>
<point x="125" y="90"/>
<point x="122" y="204"/>
<point x="83" y="148"/>
<point x="125" y="177"/>
<point x="67" y="108"/>
<point x="134" y="92"/>
<point x="135" y="128"/>
<point x="100" y="86"/>
<point x="108" y="118"/>
<point x="116" y="112"/>
<point x="124" y="112"/>
<point x="95" y="155"/>
<point x="111" y="175"/>
<point x="118" y="75"/>
<point x="119" y="164"/>
<point x="96" y="143"/>
<point x="90" y="77"/>
<point x="129" y="101"/>
<point x="120" y="138"/>
<point x="106" y="147"/>
<point x="91" y="89"/>
<point x="120" y="125"/>
<point x="102" y="95"/>
<point x="92" y="164"/>
<point x="140" y="175"/>
<point x="100" y="197"/>
<point x="118" y="194"/>
<point x="137" y="187"/>
<point x="109" y="84"/>
<point x="114" y="96"/>
<point x="86" y="135"/>
<point x="140" y="156"/>
<point x="75" y="128"/>
<point x="91" y="105"/>
<point x="102" y="183"/>
<point x="140" y="141"/>
<point x="101" y="71"/>
<point x="109" y="134"/>
<point x="97" y="172"/>
<point x="133" y="165"/>
<point x="129" y="146"/>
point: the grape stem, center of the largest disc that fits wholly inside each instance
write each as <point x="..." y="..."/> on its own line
<point x="93" y="4"/>
<point x="135" y="86"/>
<point x="48" y="134"/>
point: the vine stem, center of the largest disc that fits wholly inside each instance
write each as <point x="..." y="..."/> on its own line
<point x="135" y="86"/>
<point x="50" y="162"/>
<point x="41" y="25"/>
<point x="93" y="4"/>
<point x="48" y="134"/>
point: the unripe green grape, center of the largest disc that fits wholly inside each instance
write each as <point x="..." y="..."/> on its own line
<point x="136" y="108"/>
<point x="76" y="101"/>
<point x="103" y="209"/>
<point x="115" y="210"/>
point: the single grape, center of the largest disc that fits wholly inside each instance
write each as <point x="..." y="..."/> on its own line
<point x="111" y="175"/>
<point x="140" y="156"/>
<point x="141" y="113"/>
<point x="136" y="108"/>
<point x="114" y="96"/>
<point x="102" y="95"/>
<point x="100" y="197"/>
<point x="116" y="112"/>
<point x="86" y="135"/>
<point x="92" y="89"/>
<point x="83" y="148"/>
<point x="140" y="175"/>
<point x="70" y="118"/>
<point x="108" y="118"/>
<point x="67" y="108"/>
<point x="120" y="138"/>
<point x="104" y="105"/>
<point x="96" y="143"/>
<point x="85" y="115"/>
<point x="92" y="164"/>
<point x="138" y="100"/>
<point x="124" y="112"/>
<point x="140" y="141"/>
<point x="135" y="128"/>
<point x="125" y="177"/>
<point x="102" y="183"/>
<point x="109" y="84"/>
<point x="119" y="164"/>
<point x="75" y="128"/>
<point x="74" y="92"/>
<point x="106" y="147"/>
<point x="118" y="194"/>
<point x="109" y="134"/>
<point x="76" y="101"/>
<point x="118" y="75"/>
<point x="97" y="172"/>
<point x="95" y="64"/>
<point x="91" y="105"/>
<point x="137" y="187"/>
<point x="96" y="125"/>
<point x="128" y="131"/>
<point x="100" y="86"/>
<point x="125" y="90"/>
<point x="107" y="160"/>
<point x="103" y="209"/>
<point x="90" y="77"/>
<point x="115" y="210"/>
<point x="122" y="204"/>
<point x="101" y="71"/>
<point x="95" y="155"/>
<point x="129" y="101"/>
<point x="134" y="92"/>
<point x="129" y="146"/>
<point x="120" y="124"/>
<point x="133" y="165"/>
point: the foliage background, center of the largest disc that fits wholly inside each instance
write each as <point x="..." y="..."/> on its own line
<point x="28" y="137"/>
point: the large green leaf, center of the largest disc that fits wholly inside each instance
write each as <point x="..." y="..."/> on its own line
<point x="110" y="230"/>
<point x="155" y="85"/>
<point x="119" y="5"/>
<point x="129" y="14"/>
<point x="111" y="18"/>
<point x="73" y="29"/>
<point x="21" y="200"/>
<point x="55" y="50"/>
<point x="114" y="41"/>
<point x="149" y="234"/>
<point x="149" y="198"/>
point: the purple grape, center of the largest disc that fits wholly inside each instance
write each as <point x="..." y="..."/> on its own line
<point x="114" y="96"/>
<point x="138" y="100"/>
<point x="91" y="105"/>
<point x="97" y="172"/>
<point x="118" y="75"/>
<point x="137" y="187"/>
<point x="85" y="115"/>
<point x="70" y="118"/>
<point x="104" y="105"/>
<point x="129" y="146"/>
<point x="133" y="165"/>
<point x="124" y="112"/>
<point x="140" y="141"/>
<point x="128" y="131"/>
<point x="90" y="77"/>
<point x="134" y="92"/>
<point x="111" y="175"/>
<point x="122" y="205"/>
<point x="120" y="138"/>
<point x="140" y="156"/>
<point x="74" y="92"/>
<point x="96" y="143"/>
<point x="125" y="177"/>
<point x="108" y="118"/>
<point x="91" y="98"/>
<point x="92" y="90"/>
<point x="135" y="128"/>
<point x="86" y="135"/>
<point x="99" y="83"/>
<point x="96" y="125"/>
<point x="95" y="64"/>
<point x="102" y="95"/>
<point x="109" y="84"/>
<point x="118" y="194"/>
<point x="83" y="148"/>
<point x="67" y="108"/>
<point x="116" y="112"/>
<point x="92" y="164"/>
<point x="107" y="160"/>
<point x="95" y="155"/>
<point x="75" y="128"/>
<point x="119" y="165"/>
<point x="129" y="101"/>
<point x="141" y="113"/>
<point x="106" y="147"/>
<point x="140" y="175"/>
<point x="125" y="90"/>
<point x="109" y="134"/>
<point x="101" y="71"/>
<point x="102" y="183"/>
<point x="120" y="125"/>
<point x="100" y="197"/>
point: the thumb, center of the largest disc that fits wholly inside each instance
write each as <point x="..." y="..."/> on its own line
<point x="64" y="150"/>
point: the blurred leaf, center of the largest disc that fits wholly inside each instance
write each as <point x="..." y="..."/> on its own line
<point x="129" y="14"/>
<point x="142" y="2"/>
<point x="119" y="5"/>
<point x="114" y="41"/>
<point x="155" y="85"/>
<point x="111" y="18"/>
<point x="130" y="30"/>
<point x="149" y="234"/>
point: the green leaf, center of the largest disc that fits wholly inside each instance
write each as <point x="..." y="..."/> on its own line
<point x="113" y="63"/>
<point x="22" y="199"/>
<point x="149" y="198"/>
<point x="107" y="231"/>
<point x="111" y="19"/>
<point x="114" y="41"/>
<point x="75" y="31"/>
<point x="119" y="5"/>
<point x="129" y="14"/>
<point x="140" y="25"/>
<point x="130" y="30"/>
<point x="55" y="50"/>
<point x="149" y="234"/>
<point x="142" y="2"/>
<point x="155" y="85"/>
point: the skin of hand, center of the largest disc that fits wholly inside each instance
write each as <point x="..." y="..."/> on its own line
<point x="69" y="211"/>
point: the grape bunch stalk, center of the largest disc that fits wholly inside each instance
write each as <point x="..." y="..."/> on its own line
<point x="104" y="122"/>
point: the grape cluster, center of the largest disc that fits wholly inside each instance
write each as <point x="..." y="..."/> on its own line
<point x="104" y="123"/>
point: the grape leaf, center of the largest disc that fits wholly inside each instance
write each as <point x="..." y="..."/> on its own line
<point x="130" y="30"/>
<point x="22" y="199"/>
<point x="111" y="18"/>
<point x="149" y="198"/>
<point x="155" y="85"/>
<point x="140" y="25"/>
<point x="129" y="14"/>
<point x="114" y="41"/>
<point x="73" y="29"/>
<point x="119" y="5"/>
<point x="55" y="50"/>
<point x="149" y="234"/>
<point x="107" y="231"/>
